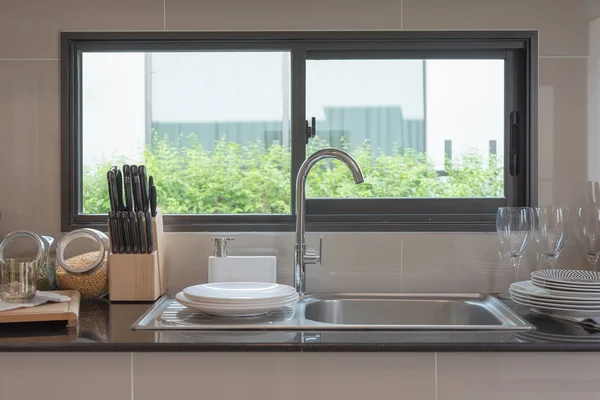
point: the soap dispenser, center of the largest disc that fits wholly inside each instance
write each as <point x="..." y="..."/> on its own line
<point x="225" y="268"/>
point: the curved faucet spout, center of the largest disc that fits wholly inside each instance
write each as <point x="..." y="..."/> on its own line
<point x="300" y="256"/>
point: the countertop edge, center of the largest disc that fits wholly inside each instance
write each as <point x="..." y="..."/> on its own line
<point x="266" y="347"/>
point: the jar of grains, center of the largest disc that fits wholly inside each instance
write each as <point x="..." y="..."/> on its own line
<point x="86" y="272"/>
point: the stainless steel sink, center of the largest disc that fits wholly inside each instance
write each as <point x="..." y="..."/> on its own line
<point x="369" y="311"/>
<point x="414" y="311"/>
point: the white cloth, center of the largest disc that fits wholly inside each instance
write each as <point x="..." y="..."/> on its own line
<point x="39" y="299"/>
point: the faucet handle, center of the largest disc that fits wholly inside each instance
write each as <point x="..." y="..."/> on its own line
<point x="312" y="257"/>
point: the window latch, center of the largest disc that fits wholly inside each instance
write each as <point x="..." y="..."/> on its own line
<point x="311" y="131"/>
<point x="514" y="144"/>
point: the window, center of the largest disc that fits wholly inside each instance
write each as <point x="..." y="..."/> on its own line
<point x="442" y="124"/>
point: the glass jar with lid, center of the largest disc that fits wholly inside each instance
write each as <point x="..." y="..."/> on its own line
<point x="86" y="272"/>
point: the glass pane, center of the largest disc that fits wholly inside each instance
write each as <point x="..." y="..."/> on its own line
<point x="213" y="128"/>
<point x="418" y="128"/>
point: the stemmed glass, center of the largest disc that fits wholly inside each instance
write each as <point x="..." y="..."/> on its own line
<point x="588" y="231"/>
<point x="551" y="232"/>
<point x="514" y="226"/>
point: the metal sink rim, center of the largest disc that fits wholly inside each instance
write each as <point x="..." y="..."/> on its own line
<point x="150" y="320"/>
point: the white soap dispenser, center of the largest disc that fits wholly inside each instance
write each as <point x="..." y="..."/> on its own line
<point x="224" y="268"/>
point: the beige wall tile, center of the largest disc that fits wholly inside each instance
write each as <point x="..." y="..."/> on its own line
<point x="285" y="375"/>
<point x="30" y="28"/>
<point x="563" y="111"/>
<point x="238" y="15"/>
<point x="448" y="262"/>
<point x="56" y="376"/>
<point x="518" y="376"/>
<point x="30" y="151"/>
<point x="562" y="24"/>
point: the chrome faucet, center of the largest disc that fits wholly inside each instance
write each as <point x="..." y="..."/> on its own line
<point x="301" y="255"/>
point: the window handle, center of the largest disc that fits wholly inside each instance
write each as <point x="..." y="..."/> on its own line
<point x="311" y="131"/>
<point x="514" y="144"/>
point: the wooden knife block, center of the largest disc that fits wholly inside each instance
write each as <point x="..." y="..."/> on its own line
<point x="139" y="277"/>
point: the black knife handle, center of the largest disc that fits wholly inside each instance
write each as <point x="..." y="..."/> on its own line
<point x="153" y="200"/>
<point x="119" y="183"/>
<point x="111" y="231"/>
<point x="137" y="194"/>
<point x="127" y="231"/>
<point x="135" y="233"/>
<point x="144" y="186"/>
<point x="143" y="232"/>
<point x="149" y="232"/>
<point x="128" y="194"/>
<point x="111" y="195"/>
<point x="120" y="232"/>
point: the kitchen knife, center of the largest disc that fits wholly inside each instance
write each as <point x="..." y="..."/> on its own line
<point x="126" y="171"/>
<point x="149" y="232"/>
<point x="111" y="230"/>
<point x="135" y="232"/>
<point x="128" y="194"/>
<point x="153" y="200"/>
<point x="119" y="182"/>
<point x="144" y="186"/>
<point x="126" y="231"/>
<point x="150" y="181"/>
<point x="120" y="232"/>
<point x="143" y="232"/>
<point x="111" y="194"/>
<point x="137" y="193"/>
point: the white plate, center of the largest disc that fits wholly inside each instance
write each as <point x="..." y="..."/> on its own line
<point x="569" y="288"/>
<point x="526" y="288"/>
<point x="561" y="310"/>
<point x="243" y="304"/>
<point x="245" y="311"/>
<point x="552" y="303"/>
<point x="576" y="277"/>
<point x="570" y="303"/>
<point x="234" y="292"/>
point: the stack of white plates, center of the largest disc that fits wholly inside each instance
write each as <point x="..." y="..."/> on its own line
<point x="571" y="293"/>
<point x="237" y="299"/>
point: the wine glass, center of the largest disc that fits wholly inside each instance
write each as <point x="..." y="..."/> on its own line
<point x="551" y="232"/>
<point x="514" y="226"/>
<point x="587" y="228"/>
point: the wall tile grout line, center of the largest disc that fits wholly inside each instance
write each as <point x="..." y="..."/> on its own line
<point x="131" y="374"/>
<point x="29" y="59"/>
<point x="402" y="263"/>
<point x="435" y="375"/>
<point x="401" y="14"/>
<point x="559" y="57"/>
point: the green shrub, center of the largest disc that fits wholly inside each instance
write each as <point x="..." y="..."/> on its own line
<point x="238" y="178"/>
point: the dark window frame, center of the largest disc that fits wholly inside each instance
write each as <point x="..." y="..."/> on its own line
<point x="518" y="48"/>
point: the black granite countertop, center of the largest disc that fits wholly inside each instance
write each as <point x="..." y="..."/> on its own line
<point x="106" y="326"/>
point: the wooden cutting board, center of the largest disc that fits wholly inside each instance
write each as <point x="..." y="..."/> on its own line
<point x="67" y="311"/>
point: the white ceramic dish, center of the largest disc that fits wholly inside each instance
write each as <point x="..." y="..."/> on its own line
<point x="236" y="311"/>
<point x="575" y="277"/>
<point x="243" y="304"/>
<point x="528" y="288"/>
<point x="565" y="287"/>
<point x="552" y="309"/>
<point x="548" y="303"/>
<point x="234" y="292"/>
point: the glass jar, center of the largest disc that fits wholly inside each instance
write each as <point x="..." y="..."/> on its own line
<point x="19" y="276"/>
<point x="86" y="272"/>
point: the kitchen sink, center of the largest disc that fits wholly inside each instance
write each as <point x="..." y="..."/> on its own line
<point x="406" y="311"/>
<point x="354" y="311"/>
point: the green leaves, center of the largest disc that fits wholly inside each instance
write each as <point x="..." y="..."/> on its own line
<point x="236" y="179"/>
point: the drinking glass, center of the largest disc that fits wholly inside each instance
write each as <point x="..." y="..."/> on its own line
<point x="514" y="226"/>
<point x="551" y="232"/>
<point x="587" y="228"/>
<point x="18" y="276"/>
